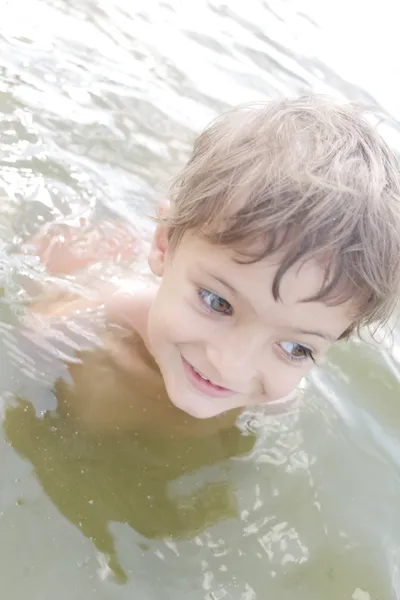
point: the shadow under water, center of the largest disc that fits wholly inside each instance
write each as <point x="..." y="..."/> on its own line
<point x="140" y="479"/>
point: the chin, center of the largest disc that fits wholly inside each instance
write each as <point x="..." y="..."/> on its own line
<point x="194" y="411"/>
<point x="193" y="408"/>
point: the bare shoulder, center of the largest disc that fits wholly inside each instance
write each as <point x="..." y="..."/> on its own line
<point x="106" y="322"/>
<point x="96" y="341"/>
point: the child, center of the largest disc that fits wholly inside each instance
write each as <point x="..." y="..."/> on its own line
<point x="281" y="237"/>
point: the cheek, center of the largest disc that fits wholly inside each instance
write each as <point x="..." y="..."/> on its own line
<point x="173" y="320"/>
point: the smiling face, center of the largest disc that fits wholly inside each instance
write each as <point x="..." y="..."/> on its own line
<point x="220" y="338"/>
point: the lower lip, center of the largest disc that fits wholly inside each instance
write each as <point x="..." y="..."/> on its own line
<point x="204" y="386"/>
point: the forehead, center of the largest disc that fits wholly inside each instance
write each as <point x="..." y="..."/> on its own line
<point x="253" y="281"/>
<point x="197" y="252"/>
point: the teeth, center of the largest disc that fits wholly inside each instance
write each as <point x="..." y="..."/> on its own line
<point x="202" y="376"/>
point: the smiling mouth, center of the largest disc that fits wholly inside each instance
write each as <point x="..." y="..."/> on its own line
<point x="204" y="385"/>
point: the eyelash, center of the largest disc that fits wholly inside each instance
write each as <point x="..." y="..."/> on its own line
<point x="307" y="353"/>
<point x="203" y="294"/>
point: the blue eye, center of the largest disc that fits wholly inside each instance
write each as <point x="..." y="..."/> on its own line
<point x="214" y="302"/>
<point x="296" y="352"/>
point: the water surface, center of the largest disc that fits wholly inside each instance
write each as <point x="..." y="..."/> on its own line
<point x="99" y="104"/>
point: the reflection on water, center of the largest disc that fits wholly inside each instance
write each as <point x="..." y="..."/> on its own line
<point x="99" y="103"/>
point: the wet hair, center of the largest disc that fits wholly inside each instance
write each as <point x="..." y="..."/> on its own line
<point x="300" y="179"/>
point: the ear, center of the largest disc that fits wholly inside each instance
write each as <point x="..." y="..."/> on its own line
<point x="158" y="250"/>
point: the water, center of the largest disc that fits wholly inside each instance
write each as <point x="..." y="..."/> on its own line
<point x="99" y="104"/>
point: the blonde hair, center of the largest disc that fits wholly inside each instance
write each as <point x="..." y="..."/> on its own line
<point x="305" y="178"/>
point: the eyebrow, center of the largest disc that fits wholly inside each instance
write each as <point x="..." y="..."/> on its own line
<point x="320" y="334"/>
<point x="325" y="336"/>
<point x="223" y="282"/>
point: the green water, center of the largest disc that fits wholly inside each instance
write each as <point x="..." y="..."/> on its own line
<point x="99" y="103"/>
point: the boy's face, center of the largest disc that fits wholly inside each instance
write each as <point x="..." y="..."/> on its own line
<point x="220" y="339"/>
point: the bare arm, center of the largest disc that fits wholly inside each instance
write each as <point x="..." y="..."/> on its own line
<point x="66" y="247"/>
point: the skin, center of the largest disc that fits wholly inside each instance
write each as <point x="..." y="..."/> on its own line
<point x="207" y="314"/>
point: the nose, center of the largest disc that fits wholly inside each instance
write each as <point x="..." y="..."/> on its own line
<point x="235" y="357"/>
